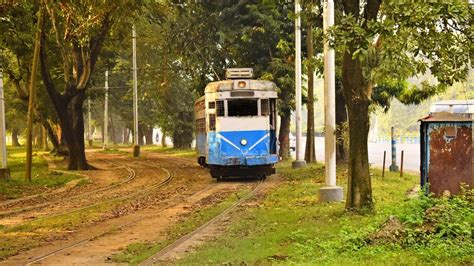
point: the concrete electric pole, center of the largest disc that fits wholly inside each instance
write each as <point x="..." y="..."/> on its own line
<point x="106" y="110"/>
<point x="136" y="143"/>
<point x="299" y="163"/>
<point x="330" y="192"/>
<point x="4" y="171"/>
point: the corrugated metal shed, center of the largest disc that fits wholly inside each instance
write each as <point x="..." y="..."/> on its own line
<point x="446" y="152"/>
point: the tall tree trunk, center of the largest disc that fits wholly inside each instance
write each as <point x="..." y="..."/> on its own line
<point x="53" y="138"/>
<point x="310" y="151"/>
<point x="284" y="136"/>
<point x="163" y="139"/>
<point x="15" y="133"/>
<point x="77" y="158"/>
<point x="44" y="144"/>
<point x="356" y="93"/>
<point x="149" y="135"/>
<point x="126" y="135"/>
<point x="341" y="119"/>
<point x="140" y="134"/>
<point x="38" y="136"/>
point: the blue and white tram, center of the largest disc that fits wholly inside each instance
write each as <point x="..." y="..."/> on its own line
<point x="236" y="125"/>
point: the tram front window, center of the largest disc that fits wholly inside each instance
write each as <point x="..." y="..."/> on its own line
<point x="242" y="107"/>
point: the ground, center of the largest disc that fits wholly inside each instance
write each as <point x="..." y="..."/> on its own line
<point x="129" y="209"/>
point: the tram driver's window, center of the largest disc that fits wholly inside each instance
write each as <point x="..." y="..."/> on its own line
<point x="220" y="108"/>
<point x="242" y="107"/>
<point x="265" y="107"/>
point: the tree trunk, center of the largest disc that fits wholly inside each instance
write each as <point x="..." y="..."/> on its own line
<point x="15" y="133"/>
<point x="163" y="139"/>
<point x="126" y="135"/>
<point x="72" y="124"/>
<point x="38" y="135"/>
<point x="140" y="134"/>
<point x="356" y="93"/>
<point x="341" y="119"/>
<point x="149" y="135"/>
<point x="310" y="151"/>
<point x="284" y="137"/>
<point x="53" y="138"/>
<point x="44" y="144"/>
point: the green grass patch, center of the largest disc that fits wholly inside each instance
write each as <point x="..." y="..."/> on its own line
<point x="41" y="177"/>
<point x="114" y="151"/>
<point x="290" y="226"/>
<point x="137" y="252"/>
<point x="187" y="153"/>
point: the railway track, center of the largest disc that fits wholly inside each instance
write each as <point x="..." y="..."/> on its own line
<point x="158" y="257"/>
<point x="134" y="195"/>
<point x="168" y="179"/>
<point x="131" y="174"/>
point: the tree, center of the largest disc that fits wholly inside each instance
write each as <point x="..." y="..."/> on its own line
<point x="384" y="43"/>
<point x="312" y="15"/>
<point x="18" y="29"/>
<point x="78" y="32"/>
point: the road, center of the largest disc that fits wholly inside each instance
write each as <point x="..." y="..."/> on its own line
<point x="411" y="160"/>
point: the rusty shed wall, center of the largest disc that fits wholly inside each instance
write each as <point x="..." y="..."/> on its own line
<point x="447" y="161"/>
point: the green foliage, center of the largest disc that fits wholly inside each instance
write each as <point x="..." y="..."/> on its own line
<point x="42" y="178"/>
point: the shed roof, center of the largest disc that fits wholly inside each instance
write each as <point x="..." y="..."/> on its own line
<point x="445" y="117"/>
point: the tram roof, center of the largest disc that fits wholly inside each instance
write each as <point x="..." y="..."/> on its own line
<point x="229" y="85"/>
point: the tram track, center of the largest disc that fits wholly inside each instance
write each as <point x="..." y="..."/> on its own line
<point x="168" y="179"/>
<point x="131" y="174"/>
<point x="133" y="195"/>
<point x="103" y="233"/>
<point x="160" y="255"/>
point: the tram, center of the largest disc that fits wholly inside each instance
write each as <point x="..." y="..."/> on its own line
<point x="236" y="125"/>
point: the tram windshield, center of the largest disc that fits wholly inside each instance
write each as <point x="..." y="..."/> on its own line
<point x="242" y="107"/>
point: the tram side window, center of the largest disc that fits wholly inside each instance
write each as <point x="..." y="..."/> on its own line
<point x="220" y="108"/>
<point x="212" y="122"/>
<point x="265" y="107"/>
<point x="242" y="107"/>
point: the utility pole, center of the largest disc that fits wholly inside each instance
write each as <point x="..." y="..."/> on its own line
<point x="330" y="192"/>
<point x="89" y="124"/>
<point x="106" y="110"/>
<point x="136" y="144"/>
<point x="393" y="167"/>
<point x="4" y="171"/>
<point x="31" y="100"/>
<point x="298" y="163"/>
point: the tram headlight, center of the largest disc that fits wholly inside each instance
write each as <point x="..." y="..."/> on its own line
<point x="243" y="142"/>
<point x="241" y="84"/>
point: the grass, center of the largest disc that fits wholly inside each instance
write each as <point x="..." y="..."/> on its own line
<point x="290" y="226"/>
<point x="137" y="252"/>
<point x="114" y="151"/>
<point x="41" y="177"/>
<point x="186" y="153"/>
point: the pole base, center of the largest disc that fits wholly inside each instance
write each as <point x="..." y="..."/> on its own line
<point x="136" y="150"/>
<point x="4" y="173"/>
<point x="298" y="164"/>
<point x="393" y="168"/>
<point x="331" y="194"/>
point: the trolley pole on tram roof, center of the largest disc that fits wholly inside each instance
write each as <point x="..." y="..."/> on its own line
<point x="106" y="110"/>
<point x="299" y="162"/>
<point x="136" y="143"/>
<point x="330" y="192"/>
